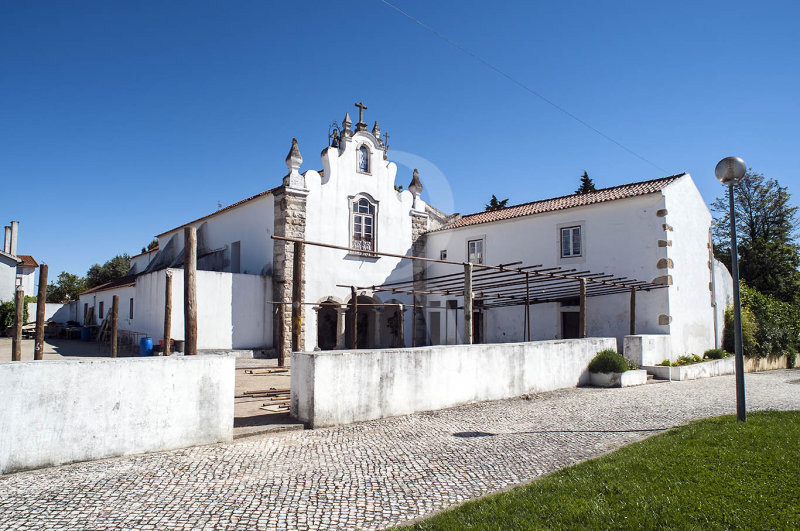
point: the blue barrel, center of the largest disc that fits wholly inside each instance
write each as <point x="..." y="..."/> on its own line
<point x="146" y="346"/>
<point x="86" y="334"/>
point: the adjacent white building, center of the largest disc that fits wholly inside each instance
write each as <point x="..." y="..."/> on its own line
<point x="17" y="271"/>
<point x="656" y="231"/>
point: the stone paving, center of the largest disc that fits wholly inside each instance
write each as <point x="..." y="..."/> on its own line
<point x="374" y="474"/>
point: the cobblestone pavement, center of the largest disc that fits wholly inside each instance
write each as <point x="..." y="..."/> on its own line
<point x="373" y="474"/>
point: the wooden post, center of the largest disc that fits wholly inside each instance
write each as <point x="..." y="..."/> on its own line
<point x="468" y="304"/>
<point x="633" y="311"/>
<point x="16" y="343"/>
<point x="528" y="306"/>
<point x="190" y="290"/>
<point x="168" y="313"/>
<point x="414" y="318"/>
<point x="401" y="341"/>
<point x="114" y="323"/>
<point x="582" y="314"/>
<point x="281" y="335"/>
<point x="354" y="309"/>
<point x="297" y="296"/>
<point x="41" y="300"/>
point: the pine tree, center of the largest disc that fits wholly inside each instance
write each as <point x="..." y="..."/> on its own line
<point x="587" y="185"/>
<point x="495" y="204"/>
<point x="765" y="223"/>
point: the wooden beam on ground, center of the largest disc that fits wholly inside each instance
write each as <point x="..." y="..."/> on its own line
<point x="582" y="311"/>
<point x="297" y="295"/>
<point x="190" y="290"/>
<point x="16" y="342"/>
<point x="114" y="323"/>
<point x="633" y="312"/>
<point x="41" y="301"/>
<point x="167" y="313"/>
<point x="468" y="304"/>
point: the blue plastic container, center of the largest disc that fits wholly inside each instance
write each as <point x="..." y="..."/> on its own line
<point x="86" y="334"/>
<point x="146" y="346"/>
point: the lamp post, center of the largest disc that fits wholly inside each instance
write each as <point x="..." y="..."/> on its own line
<point x="730" y="171"/>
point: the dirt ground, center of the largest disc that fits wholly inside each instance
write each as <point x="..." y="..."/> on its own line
<point x="249" y="418"/>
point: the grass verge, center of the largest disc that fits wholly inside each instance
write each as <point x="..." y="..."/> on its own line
<point x="713" y="473"/>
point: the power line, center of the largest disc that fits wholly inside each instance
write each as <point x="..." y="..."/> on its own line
<point x="520" y="84"/>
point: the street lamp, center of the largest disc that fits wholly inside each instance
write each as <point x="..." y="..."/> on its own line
<point x="730" y="171"/>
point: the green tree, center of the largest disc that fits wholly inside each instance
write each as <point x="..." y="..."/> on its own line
<point x="765" y="225"/>
<point x="150" y="246"/>
<point x="495" y="204"/>
<point x="587" y="184"/>
<point x="115" y="268"/>
<point x="66" y="288"/>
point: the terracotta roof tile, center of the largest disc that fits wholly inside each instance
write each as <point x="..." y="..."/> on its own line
<point x="564" y="202"/>
<point x="28" y="261"/>
<point x="121" y="282"/>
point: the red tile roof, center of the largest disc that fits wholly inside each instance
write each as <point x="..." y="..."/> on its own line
<point x="121" y="282"/>
<point x="28" y="261"/>
<point x="564" y="202"/>
<point x="221" y="210"/>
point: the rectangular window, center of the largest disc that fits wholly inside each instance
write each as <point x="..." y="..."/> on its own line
<point x="100" y="311"/>
<point x="475" y="251"/>
<point x="570" y="242"/>
<point x="443" y="255"/>
<point x="130" y="309"/>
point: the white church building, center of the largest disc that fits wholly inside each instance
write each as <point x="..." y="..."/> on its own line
<point x="655" y="232"/>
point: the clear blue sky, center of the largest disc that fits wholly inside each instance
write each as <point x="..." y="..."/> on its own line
<point x="123" y="119"/>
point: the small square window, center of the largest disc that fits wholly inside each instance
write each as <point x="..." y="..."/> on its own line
<point x="475" y="251"/>
<point x="443" y="255"/>
<point x="571" y="242"/>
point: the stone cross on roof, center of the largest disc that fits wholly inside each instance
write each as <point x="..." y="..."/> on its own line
<point x="361" y="125"/>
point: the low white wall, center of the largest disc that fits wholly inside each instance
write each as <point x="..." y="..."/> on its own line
<point x="54" y="311"/>
<point x="648" y="349"/>
<point x="704" y="369"/>
<point x="338" y="387"/>
<point x="57" y="412"/>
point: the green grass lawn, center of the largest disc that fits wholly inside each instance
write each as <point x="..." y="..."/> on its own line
<point x="713" y="473"/>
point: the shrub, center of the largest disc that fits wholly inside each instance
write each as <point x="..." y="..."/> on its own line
<point x="777" y="323"/>
<point x="715" y="354"/>
<point x="749" y="342"/>
<point x="8" y="310"/>
<point x="609" y="360"/>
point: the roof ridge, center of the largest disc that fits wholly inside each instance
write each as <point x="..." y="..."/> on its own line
<point x="575" y="194"/>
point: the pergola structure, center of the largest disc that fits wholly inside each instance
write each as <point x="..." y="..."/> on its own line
<point x="496" y="286"/>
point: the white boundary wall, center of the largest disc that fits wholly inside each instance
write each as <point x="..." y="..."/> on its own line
<point x="338" y="387"/>
<point x="57" y="412"/>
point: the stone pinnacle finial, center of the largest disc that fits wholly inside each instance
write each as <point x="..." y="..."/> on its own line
<point x="346" y="123"/>
<point x="376" y="131"/>
<point x="416" y="185"/>
<point x="294" y="159"/>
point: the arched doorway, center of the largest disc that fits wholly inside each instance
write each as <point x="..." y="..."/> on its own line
<point x="327" y="325"/>
<point x="367" y="320"/>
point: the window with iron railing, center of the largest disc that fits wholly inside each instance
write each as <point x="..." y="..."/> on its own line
<point x="363" y="225"/>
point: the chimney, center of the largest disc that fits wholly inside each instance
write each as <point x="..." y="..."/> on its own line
<point x="14" y="237"/>
<point x="7" y="240"/>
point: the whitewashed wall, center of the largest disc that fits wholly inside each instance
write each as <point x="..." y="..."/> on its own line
<point x="251" y="223"/>
<point x="328" y="221"/>
<point x="56" y="412"/>
<point x="56" y="312"/>
<point x="27" y="277"/>
<point x="692" y="327"/>
<point x="126" y="293"/>
<point x="8" y="278"/>
<point x="723" y="296"/>
<point x="619" y="237"/>
<point x="140" y="261"/>
<point x="338" y="387"/>
<point x="231" y="309"/>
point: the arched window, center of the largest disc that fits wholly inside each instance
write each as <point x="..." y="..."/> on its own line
<point x="363" y="224"/>
<point x="363" y="159"/>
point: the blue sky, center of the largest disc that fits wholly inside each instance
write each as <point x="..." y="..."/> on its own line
<point x="123" y="119"/>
